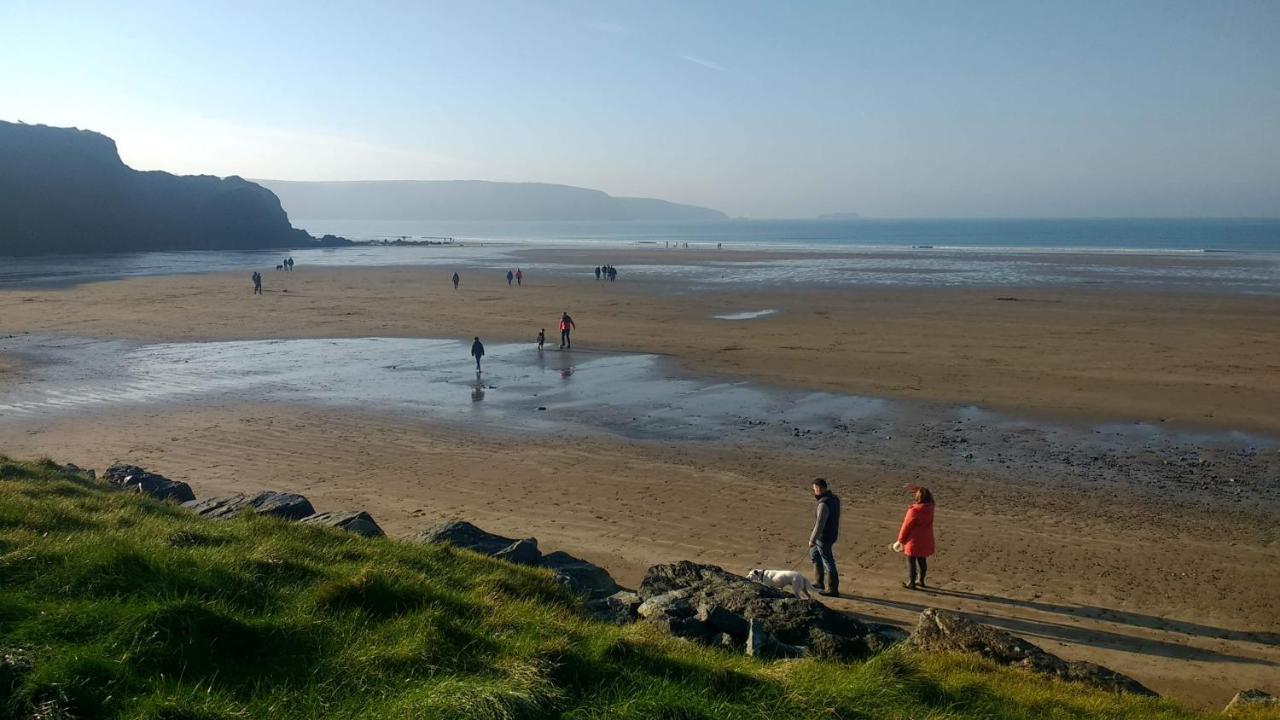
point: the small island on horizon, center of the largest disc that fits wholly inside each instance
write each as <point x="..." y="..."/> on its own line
<point x="840" y="216"/>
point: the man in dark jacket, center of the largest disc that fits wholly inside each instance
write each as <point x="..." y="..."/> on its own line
<point x="477" y="352"/>
<point x="826" y="530"/>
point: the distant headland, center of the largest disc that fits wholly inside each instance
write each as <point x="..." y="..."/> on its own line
<point x="840" y="216"/>
<point x="65" y="191"/>
<point x="471" y="200"/>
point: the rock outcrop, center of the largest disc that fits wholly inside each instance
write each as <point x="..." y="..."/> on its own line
<point x="1250" y="700"/>
<point x="134" y="478"/>
<point x="286" y="506"/>
<point x="580" y="576"/>
<point x="360" y="522"/>
<point x="465" y="536"/>
<point x="702" y="602"/>
<point x="64" y="190"/>
<point x="946" y="631"/>
<point x="618" y="608"/>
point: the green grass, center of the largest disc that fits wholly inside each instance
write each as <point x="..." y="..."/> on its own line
<point x="115" y="606"/>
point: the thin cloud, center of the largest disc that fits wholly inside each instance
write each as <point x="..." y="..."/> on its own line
<point x="704" y="63"/>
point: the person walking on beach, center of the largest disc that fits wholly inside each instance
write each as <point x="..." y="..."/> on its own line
<point x="257" y="283"/>
<point x="597" y="272"/>
<point x="510" y="276"/>
<point x="519" y="277"/>
<point x="456" y="280"/>
<point x="566" y="326"/>
<point x="477" y="352"/>
<point x="915" y="538"/>
<point x="826" y="530"/>
<point x="542" y="338"/>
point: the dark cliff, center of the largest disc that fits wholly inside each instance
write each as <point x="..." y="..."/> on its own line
<point x="64" y="190"/>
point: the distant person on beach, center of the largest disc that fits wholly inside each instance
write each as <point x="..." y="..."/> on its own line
<point x="456" y="280"/>
<point x="915" y="538"/>
<point x="597" y="272"/>
<point x="826" y="530"/>
<point x="291" y="263"/>
<point x="477" y="352"/>
<point x="510" y="276"/>
<point x="542" y="338"/>
<point x="566" y="326"/>
<point x="519" y="277"/>
<point x="257" y="283"/>
<point x="613" y="273"/>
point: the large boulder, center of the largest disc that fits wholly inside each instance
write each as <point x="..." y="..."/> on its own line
<point x="761" y="644"/>
<point x="1250" y="700"/>
<point x="286" y="506"/>
<point x="465" y="536"/>
<point x="360" y="522"/>
<point x="730" y="603"/>
<point x="584" y="578"/>
<point x="946" y="631"/>
<point x="580" y="576"/>
<point x="521" y="552"/>
<point x="132" y="477"/>
<point x="619" y="608"/>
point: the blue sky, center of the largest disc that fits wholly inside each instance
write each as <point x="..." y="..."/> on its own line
<point x="922" y="109"/>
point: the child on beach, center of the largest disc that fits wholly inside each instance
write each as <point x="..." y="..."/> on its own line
<point x="542" y="338"/>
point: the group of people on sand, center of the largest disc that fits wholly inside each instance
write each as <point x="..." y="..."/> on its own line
<point x="608" y="272"/>
<point x="286" y="264"/>
<point x="567" y="326"/>
<point x="518" y="276"/>
<point x="914" y="541"/>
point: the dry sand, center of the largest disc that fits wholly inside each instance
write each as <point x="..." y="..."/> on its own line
<point x="1184" y="600"/>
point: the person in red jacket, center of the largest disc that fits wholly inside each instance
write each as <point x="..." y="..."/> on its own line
<point x="566" y="326"/>
<point x="915" y="539"/>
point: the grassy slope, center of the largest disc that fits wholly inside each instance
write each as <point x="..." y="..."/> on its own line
<point x="116" y="606"/>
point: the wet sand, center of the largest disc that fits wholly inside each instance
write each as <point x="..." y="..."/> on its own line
<point x="1185" y="600"/>
<point x="1171" y="578"/>
<point x="1197" y="360"/>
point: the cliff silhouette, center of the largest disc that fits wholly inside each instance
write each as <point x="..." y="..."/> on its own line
<point x="65" y="190"/>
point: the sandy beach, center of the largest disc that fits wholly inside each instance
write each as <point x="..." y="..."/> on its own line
<point x="1165" y="584"/>
<point x="1201" y="360"/>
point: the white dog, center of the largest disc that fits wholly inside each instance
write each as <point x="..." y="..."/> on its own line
<point x="783" y="579"/>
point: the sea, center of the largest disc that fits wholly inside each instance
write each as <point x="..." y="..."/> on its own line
<point x="1215" y="255"/>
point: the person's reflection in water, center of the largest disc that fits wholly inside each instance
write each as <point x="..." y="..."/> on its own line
<point x="477" y="390"/>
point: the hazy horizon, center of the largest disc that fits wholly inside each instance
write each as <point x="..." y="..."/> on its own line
<point x="997" y="110"/>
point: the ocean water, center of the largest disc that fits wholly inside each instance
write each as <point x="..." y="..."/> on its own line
<point x="1224" y="256"/>
<point x="1195" y="235"/>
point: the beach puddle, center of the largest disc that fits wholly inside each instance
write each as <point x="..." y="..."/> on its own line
<point x="746" y="315"/>
<point x="518" y="387"/>
<point x="642" y="397"/>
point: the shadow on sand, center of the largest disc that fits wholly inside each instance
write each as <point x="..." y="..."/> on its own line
<point x="1094" y="637"/>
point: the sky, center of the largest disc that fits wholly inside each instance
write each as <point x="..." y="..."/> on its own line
<point x="783" y="109"/>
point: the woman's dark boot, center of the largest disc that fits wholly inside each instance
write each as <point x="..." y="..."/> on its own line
<point x="818" y="574"/>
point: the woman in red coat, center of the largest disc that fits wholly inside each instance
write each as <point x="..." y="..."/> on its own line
<point x="915" y="539"/>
